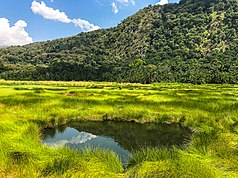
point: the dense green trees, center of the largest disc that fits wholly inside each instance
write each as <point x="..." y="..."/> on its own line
<point x="193" y="41"/>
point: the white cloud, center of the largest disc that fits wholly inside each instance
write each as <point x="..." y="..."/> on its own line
<point x="125" y="2"/>
<point x="114" y="8"/>
<point x="48" y="12"/>
<point x="162" y="2"/>
<point x="52" y="14"/>
<point x="15" y="35"/>
<point x="117" y="4"/>
<point x="133" y="2"/>
<point x="85" y="25"/>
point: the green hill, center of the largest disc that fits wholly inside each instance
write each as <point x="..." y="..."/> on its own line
<point x="190" y="42"/>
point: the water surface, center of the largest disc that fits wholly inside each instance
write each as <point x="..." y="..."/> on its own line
<point x="121" y="137"/>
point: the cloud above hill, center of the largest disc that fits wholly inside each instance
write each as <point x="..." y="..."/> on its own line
<point x="162" y="2"/>
<point x="13" y="35"/>
<point x="48" y="12"/>
<point x="55" y="14"/>
<point x="114" y="8"/>
<point x="117" y="4"/>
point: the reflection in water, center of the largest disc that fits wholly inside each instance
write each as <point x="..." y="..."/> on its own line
<point x="69" y="136"/>
<point x="120" y="137"/>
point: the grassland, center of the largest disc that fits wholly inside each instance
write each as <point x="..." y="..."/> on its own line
<point x="211" y="111"/>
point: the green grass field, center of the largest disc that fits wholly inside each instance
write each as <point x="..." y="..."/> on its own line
<point x="211" y="111"/>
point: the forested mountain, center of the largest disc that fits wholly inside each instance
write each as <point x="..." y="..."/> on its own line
<point x="195" y="41"/>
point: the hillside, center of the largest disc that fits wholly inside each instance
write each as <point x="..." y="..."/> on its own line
<point x="189" y="42"/>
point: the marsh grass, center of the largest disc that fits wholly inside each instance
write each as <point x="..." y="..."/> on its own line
<point x="211" y="111"/>
<point x="163" y="162"/>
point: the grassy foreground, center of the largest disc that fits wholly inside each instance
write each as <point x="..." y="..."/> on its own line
<point x="211" y="111"/>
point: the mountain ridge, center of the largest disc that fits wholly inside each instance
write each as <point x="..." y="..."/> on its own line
<point x="190" y="42"/>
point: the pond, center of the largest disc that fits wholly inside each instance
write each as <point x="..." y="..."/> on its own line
<point x="121" y="137"/>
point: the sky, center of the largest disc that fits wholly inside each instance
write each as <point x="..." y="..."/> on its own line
<point x="27" y="21"/>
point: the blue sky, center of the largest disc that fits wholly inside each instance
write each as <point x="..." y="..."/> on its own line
<point x="24" y="21"/>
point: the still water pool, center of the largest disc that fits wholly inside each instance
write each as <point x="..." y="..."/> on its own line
<point x="121" y="137"/>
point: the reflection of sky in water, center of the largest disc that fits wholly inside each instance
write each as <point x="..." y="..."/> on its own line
<point x="69" y="136"/>
<point x="77" y="140"/>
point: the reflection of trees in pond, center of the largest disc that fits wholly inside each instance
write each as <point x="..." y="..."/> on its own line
<point x="49" y="133"/>
<point x="133" y="136"/>
<point x="62" y="128"/>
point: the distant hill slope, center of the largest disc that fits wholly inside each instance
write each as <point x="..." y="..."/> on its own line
<point x="192" y="42"/>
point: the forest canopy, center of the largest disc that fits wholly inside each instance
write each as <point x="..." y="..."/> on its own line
<point x="189" y="42"/>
